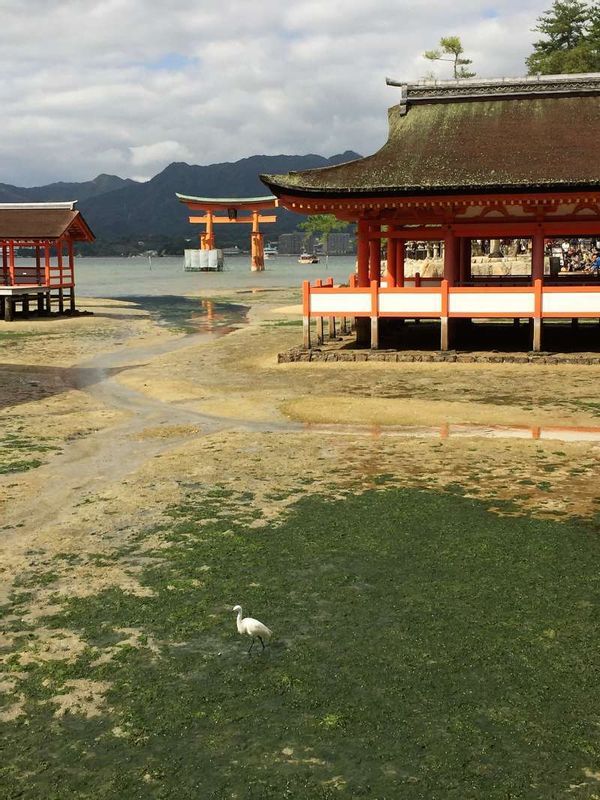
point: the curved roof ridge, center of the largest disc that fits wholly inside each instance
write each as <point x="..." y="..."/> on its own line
<point x="472" y="89"/>
<point x="224" y="200"/>
<point x="68" y="205"/>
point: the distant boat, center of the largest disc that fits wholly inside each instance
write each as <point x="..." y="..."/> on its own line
<point x="271" y="250"/>
<point x="308" y="258"/>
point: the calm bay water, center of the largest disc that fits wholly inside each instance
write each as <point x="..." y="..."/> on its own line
<point x="124" y="277"/>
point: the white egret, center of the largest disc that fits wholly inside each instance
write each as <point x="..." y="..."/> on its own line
<point x="252" y="627"/>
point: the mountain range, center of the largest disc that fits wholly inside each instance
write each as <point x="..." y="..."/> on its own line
<point x="127" y="216"/>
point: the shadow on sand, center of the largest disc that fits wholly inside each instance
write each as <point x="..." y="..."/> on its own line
<point x="560" y="336"/>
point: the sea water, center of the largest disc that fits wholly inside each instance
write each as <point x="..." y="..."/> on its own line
<point x="141" y="276"/>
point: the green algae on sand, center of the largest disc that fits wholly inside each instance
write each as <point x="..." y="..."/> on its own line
<point x="424" y="647"/>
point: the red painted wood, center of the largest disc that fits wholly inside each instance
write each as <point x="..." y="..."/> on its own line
<point x="450" y="257"/>
<point x="391" y="265"/>
<point x="363" y="253"/>
<point x="374" y="260"/>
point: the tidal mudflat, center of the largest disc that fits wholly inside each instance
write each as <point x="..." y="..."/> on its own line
<point x="434" y="599"/>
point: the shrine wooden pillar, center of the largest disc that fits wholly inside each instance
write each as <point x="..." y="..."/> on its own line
<point x="375" y="256"/>
<point x="306" y="314"/>
<point x="375" y="314"/>
<point x="320" y="321"/>
<point x="391" y="263"/>
<point x="400" y="258"/>
<point x="72" y="272"/>
<point x="537" y="280"/>
<point x="11" y="264"/>
<point x="452" y="245"/>
<point x="465" y="260"/>
<point x="362" y="253"/>
<point x="47" y="278"/>
<point x="9" y="309"/>
<point x="5" y="276"/>
<point x="451" y="258"/>
<point x="537" y="255"/>
<point x="59" y="263"/>
<point x="361" y="324"/>
<point x="38" y="264"/>
<point x="38" y="278"/>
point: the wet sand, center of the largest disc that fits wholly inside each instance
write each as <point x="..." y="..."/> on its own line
<point x="123" y="414"/>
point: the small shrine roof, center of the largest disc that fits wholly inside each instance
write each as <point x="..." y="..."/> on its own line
<point x="466" y="136"/>
<point x="29" y="221"/>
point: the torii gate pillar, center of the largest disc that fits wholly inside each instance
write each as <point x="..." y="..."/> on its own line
<point x="207" y="239"/>
<point x="254" y="205"/>
<point x="257" y="248"/>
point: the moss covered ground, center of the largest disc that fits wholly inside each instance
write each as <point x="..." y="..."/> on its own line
<point x="424" y="647"/>
<point x="20" y="451"/>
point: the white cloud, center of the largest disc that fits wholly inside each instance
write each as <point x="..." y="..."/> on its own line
<point x="126" y="86"/>
<point x="158" y="153"/>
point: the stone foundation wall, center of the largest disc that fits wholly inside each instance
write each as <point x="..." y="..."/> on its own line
<point x="297" y="354"/>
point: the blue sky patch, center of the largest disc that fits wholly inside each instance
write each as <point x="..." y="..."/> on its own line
<point x="172" y="62"/>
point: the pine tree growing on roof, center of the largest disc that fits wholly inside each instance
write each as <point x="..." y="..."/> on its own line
<point x="451" y="50"/>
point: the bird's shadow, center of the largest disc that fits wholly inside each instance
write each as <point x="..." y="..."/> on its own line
<point x="273" y="650"/>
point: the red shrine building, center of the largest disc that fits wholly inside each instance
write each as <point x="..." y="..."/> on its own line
<point x="465" y="160"/>
<point x="38" y="263"/>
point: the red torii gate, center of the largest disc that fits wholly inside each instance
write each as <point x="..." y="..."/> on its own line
<point x="232" y="206"/>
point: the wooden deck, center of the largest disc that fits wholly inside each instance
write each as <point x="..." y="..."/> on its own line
<point x="439" y="300"/>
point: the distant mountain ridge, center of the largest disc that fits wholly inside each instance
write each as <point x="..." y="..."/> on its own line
<point x="62" y="191"/>
<point x="121" y="209"/>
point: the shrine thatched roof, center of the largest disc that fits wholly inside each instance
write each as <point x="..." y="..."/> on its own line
<point x="528" y="134"/>
<point x="43" y="221"/>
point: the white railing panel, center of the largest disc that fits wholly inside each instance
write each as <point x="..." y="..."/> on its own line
<point x="410" y="302"/>
<point x="491" y="303"/>
<point x="340" y="303"/>
<point x="571" y="303"/>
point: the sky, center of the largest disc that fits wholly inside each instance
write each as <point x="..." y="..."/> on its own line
<point x="127" y="86"/>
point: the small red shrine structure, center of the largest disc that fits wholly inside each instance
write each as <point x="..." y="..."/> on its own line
<point x="465" y="159"/>
<point x="222" y="210"/>
<point x="37" y="256"/>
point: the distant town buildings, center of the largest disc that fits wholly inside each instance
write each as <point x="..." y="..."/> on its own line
<point x="293" y="243"/>
<point x="339" y="244"/>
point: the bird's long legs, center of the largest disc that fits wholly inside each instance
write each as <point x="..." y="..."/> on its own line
<point x="252" y="645"/>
